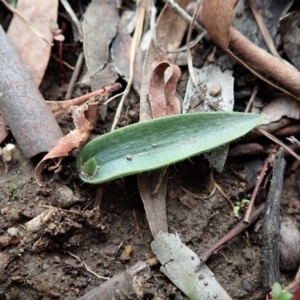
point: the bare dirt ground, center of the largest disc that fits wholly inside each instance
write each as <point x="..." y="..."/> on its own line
<point x="40" y="266"/>
<point x="49" y="262"/>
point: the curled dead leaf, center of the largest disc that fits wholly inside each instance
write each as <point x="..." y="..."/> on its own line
<point x="84" y="118"/>
<point x="216" y="17"/>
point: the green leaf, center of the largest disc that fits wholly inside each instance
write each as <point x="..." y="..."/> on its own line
<point x="160" y="142"/>
<point x="245" y="202"/>
<point x="276" y="290"/>
<point x="236" y="210"/>
<point x="285" y="296"/>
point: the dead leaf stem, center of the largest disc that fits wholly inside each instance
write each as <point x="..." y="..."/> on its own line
<point x="133" y="50"/>
<point x="74" y="76"/>
<point x="237" y="229"/>
<point x="73" y="16"/>
<point x="190" y="60"/>
<point x="261" y="176"/>
<point x="58" y="107"/>
<point x="277" y="141"/>
<point x="263" y="28"/>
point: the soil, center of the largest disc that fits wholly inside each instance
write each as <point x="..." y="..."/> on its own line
<point x="49" y="263"/>
<point x="41" y="265"/>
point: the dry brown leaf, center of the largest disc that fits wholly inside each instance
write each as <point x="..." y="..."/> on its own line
<point x="99" y="28"/>
<point x="162" y="92"/>
<point x="282" y="106"/>
<point x="170" y="29"/>
<point x="120" y="54"/>
<point x="84" y="118"/>
<point x="216" y="18"/>
<point x="153" y="185"/>
<point x="33" y="50"/>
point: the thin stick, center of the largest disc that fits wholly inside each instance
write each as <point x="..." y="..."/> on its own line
<point x="190" y="60"/>
<point x="263" y="28"/>
<point x="224" y="195"/>
<point x="200" y="197"/>
<point x="249" y="104"/>
<point x="87" y="268"/>
<point x="237" y="229"/>
<point x="73" y="16"/>
<point x="133" y="49"/>
<point x="262" y="174"/>
<point x="74" y="76"/>
<point x="63" y="62"/>
<point x="58" y="106"/>
<point x="184" y="15"/>
<point x="277" y="141"/>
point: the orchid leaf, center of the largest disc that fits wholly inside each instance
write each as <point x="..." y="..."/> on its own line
<point x="156" y="143"/>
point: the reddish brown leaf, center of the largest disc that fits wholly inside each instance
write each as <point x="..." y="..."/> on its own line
<point x="162" y="94"/>
<point x="170" y="29"/>
<point x="216" y="18"/>
<point x="153" y="185"/>
<point x="84" y="118"/>
<point x="32" y="49"/>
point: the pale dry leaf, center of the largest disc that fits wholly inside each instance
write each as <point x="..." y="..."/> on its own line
<point x="184" y="268"/>
<point x="99" y="28"/>
<point x="216" y="18"/>
<point x="217" y="87"/>
<point x="170" y="29"/>
<point x="153" y="185"/>
<point x="33" y="50"/>
<point x="120" y="54"/>
<point x="282" y="106"/>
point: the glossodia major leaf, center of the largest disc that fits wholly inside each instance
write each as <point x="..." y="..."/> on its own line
<point x="130" y="150"/>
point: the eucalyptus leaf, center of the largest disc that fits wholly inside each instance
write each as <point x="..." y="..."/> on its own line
<point x="160" y="142"/>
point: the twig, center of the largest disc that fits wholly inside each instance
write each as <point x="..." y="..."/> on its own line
<point x="184" y="15"/>
<point x="262" y="174"/>
<point x="63" y="62"/>
<point x="237" y="229"/>
<point x="73" y="16"/>
<point x="87" y="268"/>
<point x="265" y="62"/>
<point x="74" y="76"/>
<point x="192" y="43"/>
<point x="200" y="197"/>
<point x="224" y="195"/>
<point x="263" y="28"/>
<point x="261" y="77"/>
<point x="278" y="142"/>
<point x="249" y="104"/>
<point x="58" y="107"/>
<point x="271" y="226"/>
<point x="28" y="118"/>
<point x="190" y="60"/>
<point x="133" y="49"/>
